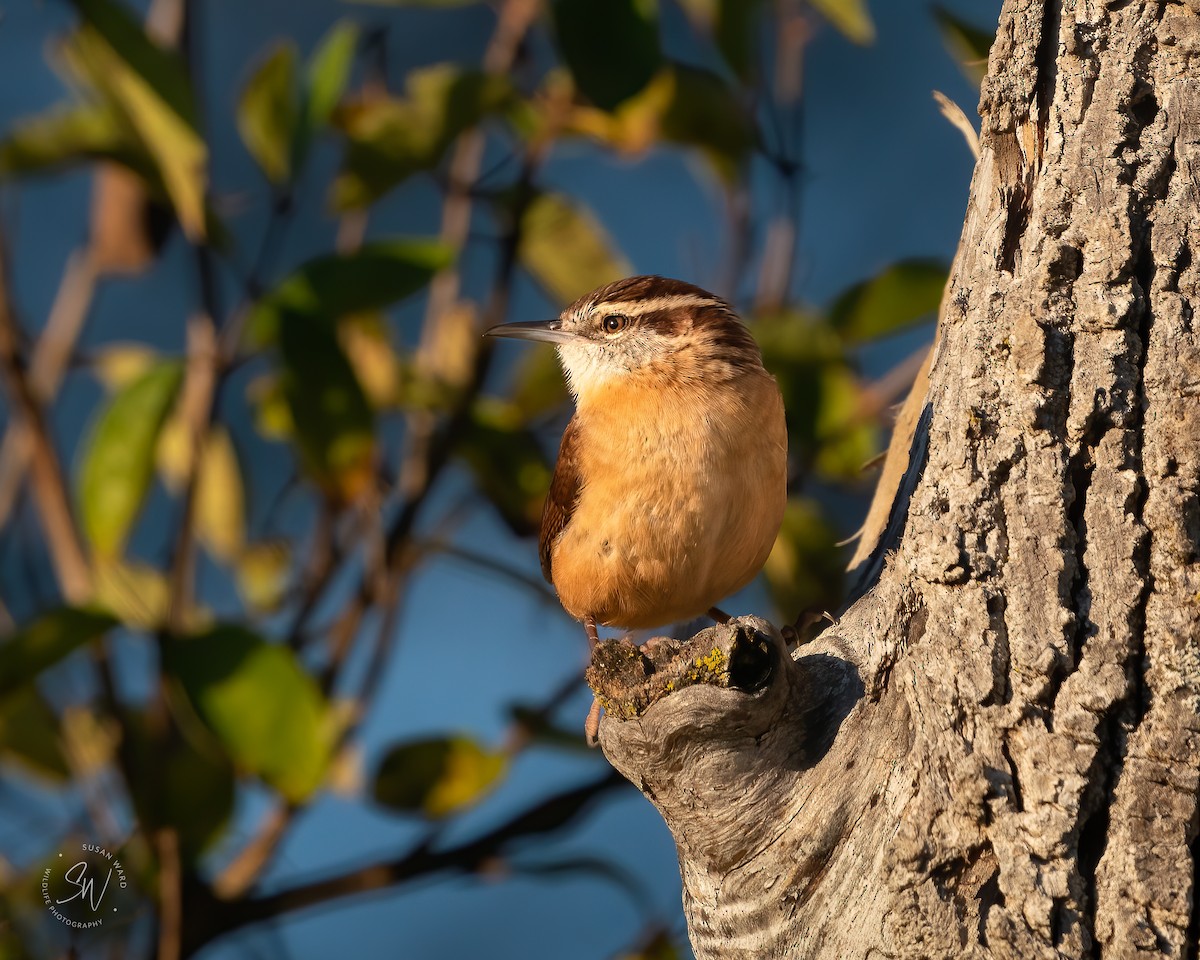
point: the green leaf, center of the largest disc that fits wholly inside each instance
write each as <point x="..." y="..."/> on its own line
<point x="259" y="703"/>
<point x="29" y="734"/>
<point x="610" y="46"/>
<point x="688" y="105"/>
<point x="829" y="432"/>
<point x="846" y="438"/>
<point x="968" y="44"/>
<point x="850" y="17"/>
<point x="733" y="26"/>
<point x="190" y="787"/>
<point x="46" y="641"/>
<point x="538" y="384"/>
<point x="438" y="776"/>
<point x="335" y="428"/>
<point x="161" y="68"/>
<point x="60" y="138"/>
<point x="373" y="277"/>
<point x="509" y="465"/>
<point x="197" y="796"/>
<point x="149" y="86"/>
<point x="705" y="111"/>
<point x="389" y="139"/>
<point x="803" y="571"/>
<point x="735" y="31"/>
<point x="328" y="73"/>
<point x="267" y="112"/>
<point x="118" y="458"/>
<point x="898" y="297"/>
<point x="566" y="250"/>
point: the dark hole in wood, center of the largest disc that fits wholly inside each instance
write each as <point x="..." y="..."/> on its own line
<point x="751" y="661"/>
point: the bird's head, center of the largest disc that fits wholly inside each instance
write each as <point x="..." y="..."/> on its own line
<point x="650" y="328"/>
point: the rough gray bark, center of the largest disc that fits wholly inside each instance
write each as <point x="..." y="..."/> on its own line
<point x="996" y="751"/>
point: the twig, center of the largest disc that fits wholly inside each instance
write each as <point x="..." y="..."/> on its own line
<point x="779" y="253"/>
<point x="170" y="885"/>
<point x="954" y="113"/>
<point x="513" y="22"/>
<point x="197" y="405"/>
<point x="877" y="396"/>
<point x="49" y="485"/>
<point x="241" y="872"/>
<point x="216" y="918"/>
<point x="485" y="562"/>
<point x="48" y="363"/>
<point x="431" y="448"/>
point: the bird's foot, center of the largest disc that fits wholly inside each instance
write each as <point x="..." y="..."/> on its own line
<point x="793" y="632"/>
<point x="591" y="726"/>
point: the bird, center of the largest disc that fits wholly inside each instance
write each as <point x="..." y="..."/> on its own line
<point x="670" y="484"/>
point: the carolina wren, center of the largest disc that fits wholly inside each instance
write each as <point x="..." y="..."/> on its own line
<point x="671" y="478"/>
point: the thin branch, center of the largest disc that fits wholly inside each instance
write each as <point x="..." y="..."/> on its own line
<point x="514" y="20"/>
<point x="48" y="363"/>
<point x="49" y="484"/>
<point x="170" y="898"/>
<point x="197" y="405"/>
<point x="779" y="253"/>
<point x="954" y="113"/>
<point x="431" y="448"/>
<point x="491" y="564"/>
<point x="244" y="869"/>
<point x="209" y="921"/>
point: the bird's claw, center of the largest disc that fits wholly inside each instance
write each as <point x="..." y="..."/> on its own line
<point x="591" y="726"/>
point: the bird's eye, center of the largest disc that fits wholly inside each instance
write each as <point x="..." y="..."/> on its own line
<point x="614" y="323"/>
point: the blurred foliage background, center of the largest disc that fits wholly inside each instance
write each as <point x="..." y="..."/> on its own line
<point x="273" y="625"/>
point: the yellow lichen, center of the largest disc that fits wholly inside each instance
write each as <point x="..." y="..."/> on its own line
<point x="712" y="666"/>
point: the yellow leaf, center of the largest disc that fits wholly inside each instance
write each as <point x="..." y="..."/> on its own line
<point x="118" y="365"/>
<point x="364" y="339"/>
<point x="851" y="18"/>
<point x="436" y="776"/>
<point x="267" y="112"/>
<point x="173" y="454"/>
<point x="448" y="347"/>
<point x="178" y="150"/>
<point x="262" y="574"/>
<point x="566" y="249"/>
<point x="272" y="416"/>
<point x="135" y="593"/>
<point x="469" y="772"/>
<point x="220" y="499"/>
<point x="91" y="741"/>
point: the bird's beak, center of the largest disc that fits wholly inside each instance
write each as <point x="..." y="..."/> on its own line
<point x="550" y="331"/>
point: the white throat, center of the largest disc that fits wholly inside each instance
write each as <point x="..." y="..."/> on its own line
<point x="587" y="368"/>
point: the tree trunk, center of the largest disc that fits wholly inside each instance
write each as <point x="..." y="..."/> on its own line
<point x="996" y="751"/>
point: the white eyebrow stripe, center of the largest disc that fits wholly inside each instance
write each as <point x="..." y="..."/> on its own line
<point x="654" y="304"/>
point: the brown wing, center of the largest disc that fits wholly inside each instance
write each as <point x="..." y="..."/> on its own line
<point x="563" y="495"/>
